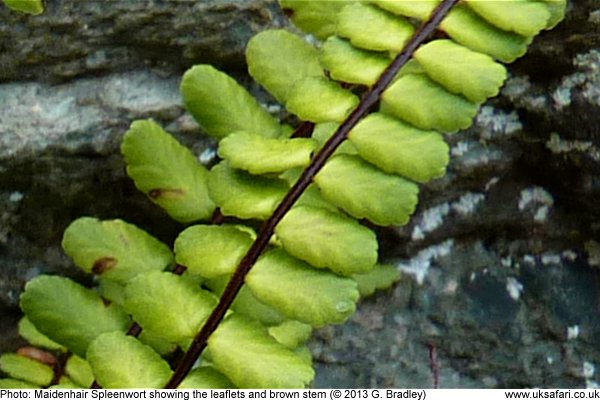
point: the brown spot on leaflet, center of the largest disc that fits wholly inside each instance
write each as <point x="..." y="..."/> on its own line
<point x="104" y="264"/>
<point x="165" y="193"/>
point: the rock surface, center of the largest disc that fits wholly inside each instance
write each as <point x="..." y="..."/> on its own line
<point x="500" y="262"/>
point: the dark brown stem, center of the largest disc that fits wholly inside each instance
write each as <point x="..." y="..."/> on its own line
<point x="305" y="130"/>
<point x="434" y="365"/>
<point x="368" y="100"/>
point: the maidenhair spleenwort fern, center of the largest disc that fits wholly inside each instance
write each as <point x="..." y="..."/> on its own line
<point x="231" y="306"/>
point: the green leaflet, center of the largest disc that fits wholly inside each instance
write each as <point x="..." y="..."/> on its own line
<point x="210" y="250"/>
<point x="346" y="63"/>
<point x="372" y="28"/>
<point x="8" y="383"/>
<point x="221" y="105"/>
<point x="68" y="313"/>
<point x="308" y="95"/>
<point x="258" y="360"/>
<point x="318" y="17"/>
<point x="420" y="9"/>
<point x="260" y="155"/>
<point x="296" y="60"/>
<point x="381" y="277"/>
<point x="151" y="299"/>
<point x="34" y="7"/>
<point x="79" y="371"/>
<point x="316" y="297"/>
<point x="291" y="334"/>
<point x="160" y="345"/>
<point x="525" y="17"/>
<point x="247" y="304"/>
<point x="114" y="249"/>
<point x="112" y="291"/>
<point x="365" y="191"/>
<point x="460" y="70"/>
<point x="328" y="240"/>
<point x="420" y="101"/>
<point x="557" y="11"/>
<point x="122" y="362"/>
<point x="26" y="369"/>
<point x="464" y="26"/>
<point x="167" y="172"/>
<point x="323" y="132"/>
<point x="399" y="148"/>
<point x="246" y="196"/>
<point x="205" y="378"/>
<point x="29" y="332"/>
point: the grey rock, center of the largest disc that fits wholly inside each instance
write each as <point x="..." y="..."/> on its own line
<point x="73" y="38"/>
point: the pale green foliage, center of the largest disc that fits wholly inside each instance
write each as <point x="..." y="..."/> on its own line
<point x="114" y="249"/>
<point x="150" y="299"/>
<point x="291" y="333"/>
<point x="460" y="70"/>
<point x="318" y="17"/>
<point x="34" y="7"/>
<point x="321" y="259"/>
<point x="301" y="292"/>
<point x="258" y="361"/>
<point x="328" y="240"/>
<point x="346" y="63"/>
<point x="167" y="172"/>
<point x="68" y="313"/>
<point x="79" y="371"/>
<point x="223" y="106"/>
<point x="21" y="367"/>
<point x="420" y="101"/>
<point x="420" y="9"/>
<point x="295" y="61"/>
<point x="468" y="29"/>
<point x="138" y="366"/>
<point x="525" y="17"/>
<point x="382" y="276"/>
<point x="400" y="148"/>
<point x="372" y="28"/>
<point x="10" y="383"/>
<point x="308" y="94"/>
<point x="29" y="332"/>
<point x="243" y="195"/>
<point x="210" y="250"/>
<point x="365" y="191"/>
<point x="205" y="378"/>
<point x="260" y="155"/>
